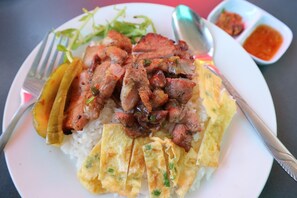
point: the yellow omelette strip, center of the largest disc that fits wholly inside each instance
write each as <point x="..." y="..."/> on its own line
<point x="210" y="87"/>
<point x="181" y="165"/>
<point x="116" y="148"/>
<point x="158" y="181"/>
<point x="220" y="107"/>
<point x="209" y="152"/>
<point x="136" y="168"/>
<point x="188" y="171"/>
<point x="173" y="153"/>
<point x="89" y="171"/>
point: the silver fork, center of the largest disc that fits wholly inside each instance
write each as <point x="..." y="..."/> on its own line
<point x="44" y="63"/>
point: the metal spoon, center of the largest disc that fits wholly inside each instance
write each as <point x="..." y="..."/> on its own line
<point x="190" y="27"/>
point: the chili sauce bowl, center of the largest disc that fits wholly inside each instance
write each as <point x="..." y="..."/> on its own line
<point x="253" y="17"/>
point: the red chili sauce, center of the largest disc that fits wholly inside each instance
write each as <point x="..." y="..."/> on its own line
<point x="230" y="22"/>
<point x="264" y="42"/>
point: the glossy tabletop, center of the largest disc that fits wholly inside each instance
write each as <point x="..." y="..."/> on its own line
<point x="23" y="24"/>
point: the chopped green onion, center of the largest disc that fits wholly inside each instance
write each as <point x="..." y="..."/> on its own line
<point x="166" y="180"/>
<point x="89" y="162"/>
<point x="171" y="165"/>
<point x="95" y="91"/>
<point x="156" y="192"/>
<point x="147" y="62"/>
<point x="61" y="48"/>
<point x="90" y="99"/>
<point x="153" y="118"/>
<point x="148" y="147"/>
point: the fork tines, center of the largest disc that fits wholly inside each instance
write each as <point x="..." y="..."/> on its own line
<point x="48" y="57"/>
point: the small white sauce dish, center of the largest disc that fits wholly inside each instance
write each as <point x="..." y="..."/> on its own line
<point x="252" y="17"/>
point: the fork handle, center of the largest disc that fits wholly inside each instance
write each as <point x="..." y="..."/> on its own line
<point x="5" y="136"/>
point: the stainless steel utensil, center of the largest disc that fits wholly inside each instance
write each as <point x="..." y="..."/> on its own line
<point x="190" y="27"/>
<point x="40" y="69"/>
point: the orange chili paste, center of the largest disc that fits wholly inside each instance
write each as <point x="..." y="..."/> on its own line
<point x="230" y="22"/>
<point x="263" y="42"/>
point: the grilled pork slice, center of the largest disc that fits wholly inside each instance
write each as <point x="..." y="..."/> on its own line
<point x="117" y="39"/>
<point x="154" y="42"/>
<point x="159" y="98"/>
<point x="191" y="120"/>
<point x="90" y="55"/>
<point x="126" y="119"/>
<point x="158" y="80"/>
<point x="182" y="46"/>
<point x="139" y="124"/>
<point x="181" y="114"/>
<point x="135" y="87"/>
<point x="183" y="67"/>
<point x="173" y="65"/>
<point x="154" y="46"/>
<point x="132" y="128"/>
<point x="104" y="80"/>
<point x="156" y="118"/>
<point x="101" y="53"/>
<point x="145" y="95"/>
<point x="115" y="47"/>
<point x="75" y="118"/>
<point x="181" y="137"/>
<point x="176" y="112"/>
<point x="98" y="73"/>
<point x="153" y="65"/>
<point x="115" y="54"/>
<point x="111" y="76"/>
<point x="180" y="89"/>
<point x="129" y="93"/>
<point x="181" y="50"/>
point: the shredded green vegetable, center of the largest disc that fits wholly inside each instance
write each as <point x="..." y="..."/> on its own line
<point x="166" y="180"/>
<point x="133" y="31"/>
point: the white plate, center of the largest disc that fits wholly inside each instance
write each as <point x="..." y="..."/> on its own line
<point x="44" y="171"/>
<point x="252" y="17"/>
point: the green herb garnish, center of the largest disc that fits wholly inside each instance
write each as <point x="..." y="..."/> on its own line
<point x="166" y="180"/>
<point x="76" y="37"/>
<point x="153" y="118"/>
<point x="156" y="192"/>
<point x="95" y="91"/>
<point x="110" y="170"/>
<point x="147" y="62"/>
<point x="89" y="162"/>
<point x="171" y="166"/>
<point x="148" y="147"/>
<point x="97" y="156"/>
<point x="90" y="99"/>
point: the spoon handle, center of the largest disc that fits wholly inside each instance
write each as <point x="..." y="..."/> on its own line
<point x="280" y="153"/>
